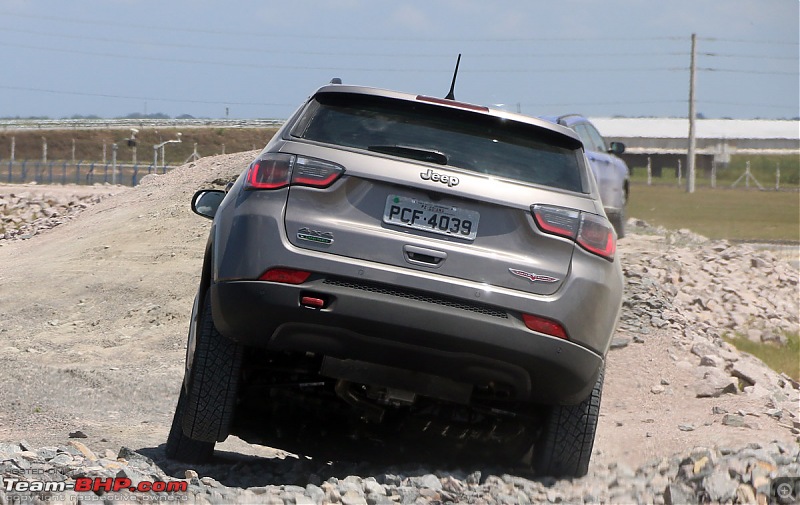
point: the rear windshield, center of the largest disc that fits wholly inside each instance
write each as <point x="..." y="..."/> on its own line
<point x="453" y="137"/>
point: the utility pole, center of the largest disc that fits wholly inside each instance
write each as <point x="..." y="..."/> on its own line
<point x="114" y="163"/>
<point x="690" y="169"/>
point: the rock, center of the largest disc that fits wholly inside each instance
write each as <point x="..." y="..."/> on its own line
<point x="620" y="342"/>
<point x="745" y="494"/>
<point x="754" y="335"/>
<point x="427" y="481"/>
<point x="749" y="373"/>
<point x="715" y="383"/>
<point x="720" y="487"/>
<point x="734" y="420"/>
<point x="87" y="453"/>
<point x="679" y="494"/>
<point x="712" y="360"/>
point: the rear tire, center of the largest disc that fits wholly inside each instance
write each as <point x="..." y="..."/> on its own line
<point x="565" y="444"/>
<point x="618" y="222"/>
<point x="213" y="383"/>
<point x="179" y="446"/>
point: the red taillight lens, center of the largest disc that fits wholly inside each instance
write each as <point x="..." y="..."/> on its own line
<point x="544" y="325"/>
<point x="592" y="232"/>
<point x="597" y="236"/>
<point x="278" y="170"/>
<point x="315" y="173"/>
<point x="285" y="276"/>
<point x="557" y="220"/>
<point x="271" y="171"/>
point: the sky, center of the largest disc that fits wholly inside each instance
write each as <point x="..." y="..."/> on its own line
<point x="244" y="59"/>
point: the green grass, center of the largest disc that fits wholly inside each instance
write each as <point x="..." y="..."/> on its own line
<point x="720" y="213"/>
<point x="785" y="359"/>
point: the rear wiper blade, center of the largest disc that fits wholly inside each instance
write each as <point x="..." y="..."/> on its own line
<point x="413" y="153"/>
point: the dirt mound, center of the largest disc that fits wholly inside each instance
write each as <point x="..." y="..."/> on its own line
<point x="95" y="310"/>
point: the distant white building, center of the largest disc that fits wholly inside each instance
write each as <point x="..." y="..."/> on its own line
<point x="665" y="140"/>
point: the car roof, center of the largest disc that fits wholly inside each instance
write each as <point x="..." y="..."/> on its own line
<point x="477" y="109"/>
<point x="566" y="119"/>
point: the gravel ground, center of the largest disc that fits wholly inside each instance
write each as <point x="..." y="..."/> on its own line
<point x="95" y="309"/>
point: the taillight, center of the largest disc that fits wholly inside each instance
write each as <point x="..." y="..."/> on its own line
<point x="278" y="170"/>
<point x="597" y="236"/>
<point x="544" y="325"/>
<point x="592" y="232"/>
<point x="315" y="173"/>
<point x="271" y="171"/>
<point x="557" y="220"/>
<point x="285" y="275"/>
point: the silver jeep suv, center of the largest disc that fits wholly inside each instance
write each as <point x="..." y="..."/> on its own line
<point x="392" y="262"/>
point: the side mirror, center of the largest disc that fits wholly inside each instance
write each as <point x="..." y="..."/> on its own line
<point x="616" y="148"/>
<point x="206" y="202"/>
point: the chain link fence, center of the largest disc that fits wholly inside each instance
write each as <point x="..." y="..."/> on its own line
<point x="78" y="172"/>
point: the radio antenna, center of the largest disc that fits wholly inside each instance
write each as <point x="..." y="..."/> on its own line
<point x="451" y="95"/>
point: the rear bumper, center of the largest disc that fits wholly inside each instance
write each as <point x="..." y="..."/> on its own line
<point x="421" y="332"/>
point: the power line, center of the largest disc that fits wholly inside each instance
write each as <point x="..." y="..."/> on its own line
<point x="305" y="35"/>
<point x="149" y="99"/>
<point x="754" y="56"/>
<point x="749" y="41"/>
<point x="744" y="71"/>
<point x="590" y="104"/>
<point x="291" y="51"/>
<point x="334" y="68"/>
<point x="741" y="104"/>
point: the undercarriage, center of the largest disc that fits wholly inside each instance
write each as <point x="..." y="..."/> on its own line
<point x="289" y="401"/>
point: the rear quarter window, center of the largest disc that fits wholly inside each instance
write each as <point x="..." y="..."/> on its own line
<point x="468" y="140"/>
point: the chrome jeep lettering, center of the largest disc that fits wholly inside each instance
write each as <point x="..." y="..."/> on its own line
<point x="430" y="175"/>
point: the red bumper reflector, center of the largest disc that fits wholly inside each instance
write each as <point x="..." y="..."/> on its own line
<point x="312" y="302"/>
<point x="543" y="325"/>
<point x="285" y="276"/>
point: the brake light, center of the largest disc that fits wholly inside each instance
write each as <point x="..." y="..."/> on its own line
<point x="315" y="173"/>
<point x="557" y="220"/>
<point x="592" y="232"/>
<point x="597" y="236"/>
<point x="544" y="325"/>
<point x="452" y="103"/>
<point x="278" y="170"/>
<point x="285" y="275"/>
<point x="271" y="171"/>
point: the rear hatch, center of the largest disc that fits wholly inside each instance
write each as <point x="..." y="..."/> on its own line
<point x="438" y="189"/>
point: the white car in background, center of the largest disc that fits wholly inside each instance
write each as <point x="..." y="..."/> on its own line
<point x="611" y="172"/>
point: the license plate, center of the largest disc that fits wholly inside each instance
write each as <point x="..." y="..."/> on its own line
<point x="431" y="217"/>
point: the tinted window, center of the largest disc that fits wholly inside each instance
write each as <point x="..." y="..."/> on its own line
<point x="455" y="137"/>
<point x="590" y="138"/>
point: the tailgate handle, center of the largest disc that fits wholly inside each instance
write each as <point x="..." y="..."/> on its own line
<point x="423" y="256"/>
